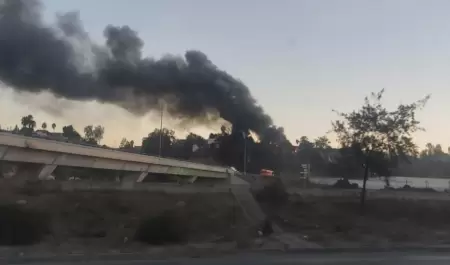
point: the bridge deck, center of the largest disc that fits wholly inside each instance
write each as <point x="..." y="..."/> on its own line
<point x="18" y="148"/>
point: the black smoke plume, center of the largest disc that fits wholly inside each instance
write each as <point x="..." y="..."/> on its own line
<point x="36" y="57"/>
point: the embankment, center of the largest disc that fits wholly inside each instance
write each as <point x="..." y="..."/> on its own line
<point x="99" y="220"/>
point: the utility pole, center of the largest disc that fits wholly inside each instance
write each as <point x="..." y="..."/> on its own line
<point x="160" y="130"/>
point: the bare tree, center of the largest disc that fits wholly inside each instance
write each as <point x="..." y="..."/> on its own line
<point x="379" y="135"/>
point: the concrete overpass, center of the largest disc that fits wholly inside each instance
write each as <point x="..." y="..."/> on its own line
<point x="51" y="154"/>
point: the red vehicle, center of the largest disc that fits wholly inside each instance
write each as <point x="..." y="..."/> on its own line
<point x="266" y="173"/>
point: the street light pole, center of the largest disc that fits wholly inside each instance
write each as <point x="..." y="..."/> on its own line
<point x="160" y="130"/>
<point x="245" y="153"/>
<point x="245" y="156"/>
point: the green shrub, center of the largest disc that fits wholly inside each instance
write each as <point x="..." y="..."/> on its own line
<point x="19" y="226"/>
<point x="343" y="183"/>
<point x="167" y="228"/>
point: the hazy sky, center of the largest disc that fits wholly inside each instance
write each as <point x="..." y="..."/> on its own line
<point x="301" y="59"/>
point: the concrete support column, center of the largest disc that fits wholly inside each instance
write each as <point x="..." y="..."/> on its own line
<point x="235" y="180"/>
<point x="142" y="176"/>
<point x="192" y="179"/>
<point x="128" y="181"/>
<point x="230" y="174"/>
<point x="8" y="170"/>
<point x="46" y="171"/>
<point x="184" y="180"/>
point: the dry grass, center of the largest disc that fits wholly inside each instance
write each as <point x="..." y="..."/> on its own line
<point x="336" y="221"/>
<point x="111" y="219"/>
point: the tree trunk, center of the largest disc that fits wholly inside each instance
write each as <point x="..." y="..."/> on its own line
<point x="363" y="191"/>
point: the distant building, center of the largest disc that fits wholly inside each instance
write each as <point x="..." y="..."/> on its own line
<point x="58" y="137"/>
<point x="134" y="149"/>
<point x="40" y="134"/>
<point x="49" y="135"/>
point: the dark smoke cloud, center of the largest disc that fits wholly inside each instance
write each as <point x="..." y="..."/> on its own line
<point x="36" y="57"/>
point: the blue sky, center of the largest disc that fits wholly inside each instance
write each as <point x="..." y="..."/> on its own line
<point x="301" y="59"/>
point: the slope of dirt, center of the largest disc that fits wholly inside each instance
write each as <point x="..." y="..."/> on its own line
<point x="337" y="222"/>
<point x="109" y="219"/>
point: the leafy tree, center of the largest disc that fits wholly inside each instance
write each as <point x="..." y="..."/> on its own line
<point x="28" y="125"/>
<point x="53" y="126"/>
<point x="379" y="135"/>
<point x="28" y="122"/>
<point x="304" y="150"/>
<point x="151" y="144"/>
<point x="322" y="143"/>
<point x="225" y="148"/>
<point x="196" y="139"/>
<point x="238" y="149"/>
<point x="93" y="135"/>
<point x="126" y="144"/>
<point x="44" y="125"/>
<point x="71" y="133"/>
<point x="430" y="149"/>
<point x="438" y="150"/>
<point x="316" y="154"/>
<point x="304" y="143"/>
<point x="273" y="151"/>
<point x="194" y="145"/>
<point x="423" y="153"/>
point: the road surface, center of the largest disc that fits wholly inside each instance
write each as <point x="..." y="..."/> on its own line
<point x="376" y="258"/>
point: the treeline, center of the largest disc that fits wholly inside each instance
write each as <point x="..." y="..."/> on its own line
<point x="371" y="136"/>
<point x="92" y="134"/>
<point x="272" y="150"/>
<point x="431" y="162"/>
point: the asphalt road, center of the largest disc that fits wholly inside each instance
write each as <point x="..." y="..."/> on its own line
<point x="378" y="258"/>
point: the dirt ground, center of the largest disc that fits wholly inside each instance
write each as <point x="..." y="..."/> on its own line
<point x="107" y="220"/>
<point x="337" y="221"/>
<point x="102" y="221"/>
